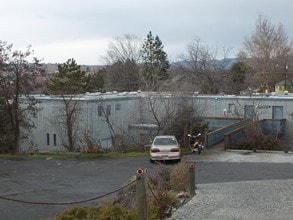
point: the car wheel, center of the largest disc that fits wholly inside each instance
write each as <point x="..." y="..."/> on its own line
<point x="152" y="161"/>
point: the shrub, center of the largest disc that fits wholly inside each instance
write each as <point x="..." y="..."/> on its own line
<point x="126" y="197"/>
<point x="160" y="203"/>
<point x="131" y="148"/>
<point x="166" y="185"/>
<point x="255" y="139"/>
<point x="162" y="195"/>
<point x="106" y="210"/>
<point x="161" y="177"/>
<point x="179" y="177"/>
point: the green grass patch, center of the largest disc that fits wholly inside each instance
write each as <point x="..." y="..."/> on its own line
<point x="185" y="150"/>
<point x="75" y="155"/>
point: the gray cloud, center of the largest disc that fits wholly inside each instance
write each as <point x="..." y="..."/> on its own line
<point x="56" y="27"/>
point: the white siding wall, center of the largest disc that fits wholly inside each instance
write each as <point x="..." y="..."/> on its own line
<point x="128" y="109"/>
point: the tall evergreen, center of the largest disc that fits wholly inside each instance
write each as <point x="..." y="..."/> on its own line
<point x="72" y="80"/>
<point x="69" y="83"/>
<point x="155" y="62"/>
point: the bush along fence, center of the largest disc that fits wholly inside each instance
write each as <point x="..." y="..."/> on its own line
<point x="143" y="185"/>
<point x="266" y="134"/>
<point x="151" y="201"/>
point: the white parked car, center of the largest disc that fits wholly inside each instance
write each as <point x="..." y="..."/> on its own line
<point x="165" y="147"/>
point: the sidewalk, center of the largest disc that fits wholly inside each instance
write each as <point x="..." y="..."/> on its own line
<point x="219" y="155"/>
<point x="260" y="200"/>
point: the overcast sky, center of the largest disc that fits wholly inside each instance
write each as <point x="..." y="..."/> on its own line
<point x="81" y="29"/>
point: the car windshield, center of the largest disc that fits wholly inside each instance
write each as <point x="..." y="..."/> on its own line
<point x="165" y="141"/>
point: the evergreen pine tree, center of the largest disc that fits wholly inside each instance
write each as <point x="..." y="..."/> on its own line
<point x="72" y="80"/>
<point x="69" y="83"/>
<point x="155" y="62"/>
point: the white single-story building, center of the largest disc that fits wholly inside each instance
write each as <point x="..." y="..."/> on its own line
<point x="129" y="116"/>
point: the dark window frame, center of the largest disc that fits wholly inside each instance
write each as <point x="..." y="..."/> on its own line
<point x="54" y="139"/>
<point x="108" y="110"/>
<point x="100" y="110"/>
<point x="48" y="139"/>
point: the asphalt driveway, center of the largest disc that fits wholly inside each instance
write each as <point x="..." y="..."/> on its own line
<point x="224" y="180"/>
<point x="60" y="180"/>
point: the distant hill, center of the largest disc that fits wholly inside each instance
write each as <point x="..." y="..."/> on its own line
<point x="226" y="62"/>
<point x="52" y="68"/>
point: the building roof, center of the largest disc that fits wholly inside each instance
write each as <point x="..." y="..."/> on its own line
<point x="288" y="82"/>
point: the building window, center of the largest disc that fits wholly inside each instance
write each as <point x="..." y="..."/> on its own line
<point x="48" y="139"/>
<point x="54" y="139"/>
<point x="278" y="112"/>
<point x="231" y="109"/>
<point x="108" y="110"/>
<point x="249" y="111"/>
<point x="117" y="106"/>
<point x="100" y="110"/>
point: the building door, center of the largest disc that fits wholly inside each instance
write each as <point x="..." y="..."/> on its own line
<point x="248" y="111"/>
<point x="277" y="112"/>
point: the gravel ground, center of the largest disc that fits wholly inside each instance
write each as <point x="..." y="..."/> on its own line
<point x="245" y="200"/>
<point x="262" y="200"/>
<point x="246" y="156"/>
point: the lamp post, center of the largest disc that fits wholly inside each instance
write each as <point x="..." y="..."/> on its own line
<point x="286" y="69"/>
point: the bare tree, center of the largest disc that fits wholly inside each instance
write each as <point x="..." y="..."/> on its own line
<point x="116" y="128"/>
<point x="174" y="113"/>
<point x="122" y="76"/>
<point x="202" y="69"/>
<point x="66" y="119"/>
<point x="18" y="74"/>
<point x="266" y="52"/>
<point x="105" y="111"/>
<point x="156" y="107"/>
<point x="70" y="83"/>
<point x="122" y="59"/>
<point x="122" y="49"/>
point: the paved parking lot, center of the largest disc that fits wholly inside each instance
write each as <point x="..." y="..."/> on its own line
<point x="60" y="180"/>
<point x="225" y="181"/>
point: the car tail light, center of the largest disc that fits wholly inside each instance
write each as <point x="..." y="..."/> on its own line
<point x="175" y="150"/>
<point x="155" y="150"/>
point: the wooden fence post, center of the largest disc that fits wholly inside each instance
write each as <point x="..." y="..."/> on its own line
<point x="141" y="197"/>
<point x="192" y="179"/>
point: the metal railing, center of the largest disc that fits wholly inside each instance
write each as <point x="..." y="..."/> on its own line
<point x="267" y="126"/>
<point x="217" y="136"/>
